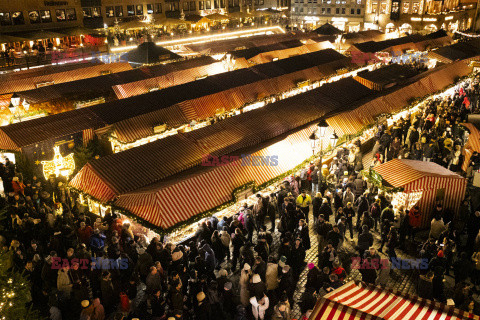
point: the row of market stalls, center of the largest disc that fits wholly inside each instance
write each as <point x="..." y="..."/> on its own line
<point x="156" y="112"/>
<point x="467" y="51"/>
<point x="160" y="196"/>
<point x="357" y="300"/>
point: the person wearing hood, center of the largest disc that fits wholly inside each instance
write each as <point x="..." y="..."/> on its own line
<point x="229" y="301"/>
<point x="259" y="306"/>
<point x="209" y="259"/>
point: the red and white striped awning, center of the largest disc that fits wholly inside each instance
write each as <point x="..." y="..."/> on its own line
<point x="357" y="300"/>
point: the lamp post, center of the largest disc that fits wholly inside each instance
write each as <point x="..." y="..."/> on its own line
<point x="334" y="139"/>
<point x="319" y="132"/>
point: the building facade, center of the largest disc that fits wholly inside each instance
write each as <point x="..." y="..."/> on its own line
<point x="26" y="15"/>
<point x="346" y="15"/>
<point x="408" y="16"/>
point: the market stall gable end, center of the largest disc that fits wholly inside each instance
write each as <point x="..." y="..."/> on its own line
<point x="437" y="184"/>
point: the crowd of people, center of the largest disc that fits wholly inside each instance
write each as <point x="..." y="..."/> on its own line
<point x="82" y="266"/>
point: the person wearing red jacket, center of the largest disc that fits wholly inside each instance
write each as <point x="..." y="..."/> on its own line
<point x="414" y="221"/>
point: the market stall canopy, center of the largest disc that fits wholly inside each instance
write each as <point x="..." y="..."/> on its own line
<point x="134" y="24"/>
<point x="148" y="53"/>
<point x="195" y="18"/>
<point x="239" y="15"/>
<point x="79" y="31"/>
<point x="458" y="51"/>
<point x="8" y="39"/>
<point x="42" y="34"/>
<point x="217" y="17"/>
<point x="171" y="22"/>
<point x="357" y="300"/>
<point x="328" y="29"/>
<point x="261" y="13"/>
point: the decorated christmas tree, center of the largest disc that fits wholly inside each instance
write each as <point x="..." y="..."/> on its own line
<point x="15" y="297"/>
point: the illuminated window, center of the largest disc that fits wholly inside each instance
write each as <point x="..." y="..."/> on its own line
<point x="406" y="7"/>
<point x="383" y="8"/>
<point x="34" y="16"/>
<point x="118" y="11"/>
<point x="60" y="14"/>
<point x="5" y="19"/>
<point x="130" y="10"/>
<point x="96" y="12"/>
<point x="17" y="18"/>
<point x="139" y="9"/>
<point x="343" y="10"/>
<point x="109" y="12"/>
<point x="150" y="8"/>
<point x="415" y="7"/>
<point x="158" y="7"/>
<point x="208" y="5"/>
<point x="45" y="16"/>
<point x="374" y="7"/>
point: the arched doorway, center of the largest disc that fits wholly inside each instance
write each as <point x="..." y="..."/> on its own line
<point x="389" y="28"/>
<point x="406" y="28"/>
<point x="431" y="28"/>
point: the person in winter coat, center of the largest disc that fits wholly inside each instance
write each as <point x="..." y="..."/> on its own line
<point x="412" y="137"/>
<point x="257" y="287"/>
<point x="244" y="284"/>
<point x="383" y="274"/>
<point x="316" y="204"/>
<point x="238" y="240"/>
<point x="325" y="209"/>
<point x="436" y="228"/>
<point x="375" y="211"/>
<point x="298" y="258"/>
<point x="272" y="275"/>
<point x="362" y="206"/>
<point x="64" y="283"/>
<point x="281" y="312"/>
<point x="365" y="240"/>
<point x="259" y="306"/>
<point x="202" y="308"/>
<point x="225" y="239"/>
<point x="414" y="222"/>
<point x="287" y="283"/>
<point x="303" y="233"/>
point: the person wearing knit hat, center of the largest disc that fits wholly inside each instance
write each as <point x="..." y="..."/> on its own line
<point x="256" y="278"/>
<point x="311" y="266"/>
<point x="228" y="286"/>
<point x="246" y="267"/>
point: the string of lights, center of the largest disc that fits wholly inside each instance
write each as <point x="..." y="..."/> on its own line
<point x="468" y="35"/>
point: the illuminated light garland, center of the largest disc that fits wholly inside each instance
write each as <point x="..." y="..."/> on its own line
<point x="468" y="35"/>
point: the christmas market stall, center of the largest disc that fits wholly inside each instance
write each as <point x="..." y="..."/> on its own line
<point x="421" y="183"/>
<point x="357" y="300"/>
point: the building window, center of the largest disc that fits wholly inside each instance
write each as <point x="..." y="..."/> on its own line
<point x="130" y="10"/>
<point x="323" y="10"/>
<point x="359" y="11"/>
<point x="96" y="12"/>
<point x="149" y="8"/>
<point x="337" y="10"/>
<point x="118" y="11"/>
<point x="352" y="11"/>
<point x="383" y="8"/>
<point x="60" y="14"/>
<point x="109" y="12"/>
<point x="34" y="16"/>
<point x="222" y="3"/>
<point x="139" y="9"/>
<point x="46" y="16"/>
<point x="158" y="8"/>
<point x="301" y="10"/>
<point x="359" y="1"/>
<point x="415" y="7"/>
<point x="208" y="4"/>
<point x="215" y="3"/>
<point x="72" y="16"/>
<point x="343" y="10"/>
<point x="374" y="7"/>
<point x="201" y="5"/>
<point x="192" y="6"/>
<point x="5" y="19"/>
<point x="329" y="10"/>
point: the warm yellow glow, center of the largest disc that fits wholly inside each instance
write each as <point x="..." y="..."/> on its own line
<point x="59" y="166"/>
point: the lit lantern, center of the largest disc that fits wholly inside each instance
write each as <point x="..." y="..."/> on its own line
<point x="334" y="139"/>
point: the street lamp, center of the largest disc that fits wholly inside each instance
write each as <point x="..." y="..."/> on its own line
<point x="26" y="105"/>
<point x="322" y="128"/>
<point x="15" y="100"/>
<point x="313" y="141"/>
<point x="334" y="139"/>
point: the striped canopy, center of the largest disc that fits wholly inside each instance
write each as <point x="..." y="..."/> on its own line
<point x="473" y="144"/>
<point x="356" y="300"/>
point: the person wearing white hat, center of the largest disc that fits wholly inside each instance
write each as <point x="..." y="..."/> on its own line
<point x="259" y="307"/>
